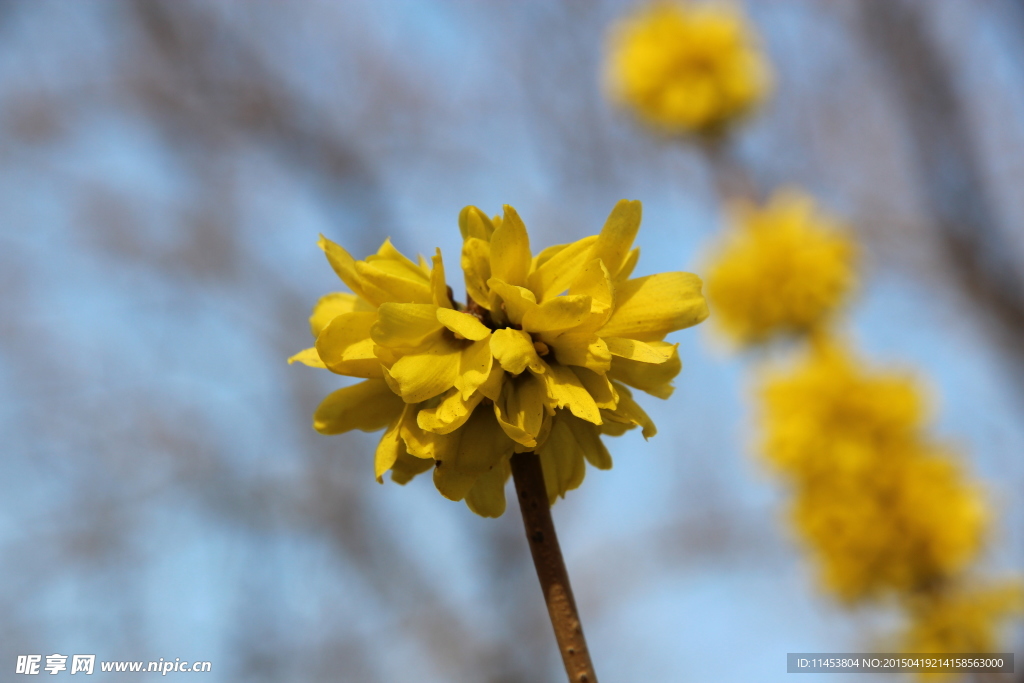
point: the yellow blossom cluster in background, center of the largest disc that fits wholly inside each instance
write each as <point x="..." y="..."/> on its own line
<point x="887" y="513"/>
<point x="781" y="268"/>
<point x="881" y="508"/>
<point x="884" y="511"/>
<point x="686" y="67"/>
<point x="541" y="357"/>
<point x="827" y="415"/>
<point x="962" y="620"/>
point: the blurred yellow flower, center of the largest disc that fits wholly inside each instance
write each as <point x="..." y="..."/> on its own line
<point x="906" y="524"/>
<point x="538" y="359"/>
<point x="783" y="268"/>
<point x="881" y="507"/>
<point x="686" y="67"/>
<point x="962" y="620"/>
<point x="829" y="416"/>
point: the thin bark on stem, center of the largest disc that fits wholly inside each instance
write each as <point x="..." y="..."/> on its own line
<point x="731" y="179"/>
<point x="547" y="558"/>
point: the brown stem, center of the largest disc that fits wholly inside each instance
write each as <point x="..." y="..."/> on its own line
<point x="547" y="558"/>
<point x="731" y="179"/>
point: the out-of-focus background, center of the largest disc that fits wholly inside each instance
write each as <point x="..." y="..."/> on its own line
<point x="165" y="168"/>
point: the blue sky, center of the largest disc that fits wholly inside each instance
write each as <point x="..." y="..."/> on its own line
<point x="121" y="362"/>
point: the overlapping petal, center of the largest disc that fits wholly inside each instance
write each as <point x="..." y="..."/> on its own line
<point x="538" y="359"/>
<point x="648" y="308"/>
<point x="345" y="346"/>
<point x="470" y="452"/>
<point x="367" y="406"/>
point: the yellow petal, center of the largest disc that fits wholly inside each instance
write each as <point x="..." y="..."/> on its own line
<point x="407" y="467"/>
<point x="628" y="265"/>
<point x="586" y="350"/>
<point x="561" y="460"/>
<point x="483" y="444"/>
<point x="588" y="438"/>
<point x="616" y="238"/>
<point x="554" y="276"/>
<point x="567" y="314"/>
<point x="470" y="452"/>
<point x="345" y="267"/>
<point x="463" y="324"/>
<point x="450" y="414"/>
<point x="655" y="379"/>
<point x="611" y="428"/>
<point x="438" y="286"/>
<point x="557" y="315"/>
<point x="510" y="250"/>
<point x="474" y="223"/>
<point x="328" y="307"/>
<point x="418" y="442"/>
<point x="491" y="388"/>
<point x="385" y="270"/>
<point x="404" y="326"/>
<point x="367" y="406"/>
<point x="346" y="348"/>
<point x="598" y="386"/>
<point x="388" y="450"/>
<point x="650" y="307"/>
<point x="386" y="356"/>
<point x="399" y="264"/>
<point x="476" y="264"/>
<point x="487" y="497"/>
<point x="514" y="351"/>
<point x="520" y="409"/>
<point x="629" y="412"/>
<point x="308" y="357"/>
<point x="638" y="351"/>
<point x="394" y="282"/>
<point x="475" y="367"/>
<point x="544" y="256"/>
<point x="388" y="379"/>
<point x="594" y="281"/>
<point x="428" y="372"/>
<point x="516" y="302"/>
<point x="565" y="390"/>
<point x="359" y="360"/>
<point x="453" y="483"/>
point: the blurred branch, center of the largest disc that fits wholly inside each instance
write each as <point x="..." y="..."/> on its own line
<point x="215" y="97"/>
<point x="732" y="180"/>
<point x="207" y="82"/>
<point x="948" y="166"/>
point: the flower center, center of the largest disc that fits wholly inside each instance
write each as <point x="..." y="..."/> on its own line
<point x="479" y="312"/>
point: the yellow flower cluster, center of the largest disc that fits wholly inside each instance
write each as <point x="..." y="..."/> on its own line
<point x="881" y="508"/>
<point x="540" y="358"/>
<point x="827" y="415"/>
<point x="962" y="620"/>
<point x="783" y="268"/>
<point x="686" y="67"/>
<point x="884" y="510"/>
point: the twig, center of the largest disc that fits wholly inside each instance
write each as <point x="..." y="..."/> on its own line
<point x="731" y="179"/>
<point x="547" y="558"/>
